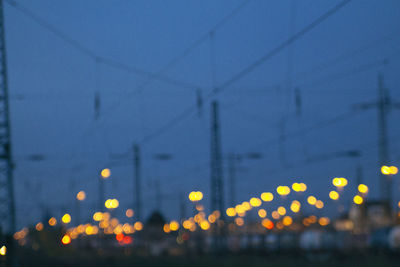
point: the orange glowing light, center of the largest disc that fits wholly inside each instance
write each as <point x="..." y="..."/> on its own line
<point x="267" y="224"/>
<point x="129" y="213"/>
<point x="39" y="226"/>
<point x="262" y="213"/>
<point x="105" y="173"/>
<point x="66" y="240"/>
<point x="81" y="195"/>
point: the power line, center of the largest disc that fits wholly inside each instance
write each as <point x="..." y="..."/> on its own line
<point x="248" y="69"/>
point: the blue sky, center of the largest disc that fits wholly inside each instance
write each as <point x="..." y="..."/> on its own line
<point x="52" y="87"/>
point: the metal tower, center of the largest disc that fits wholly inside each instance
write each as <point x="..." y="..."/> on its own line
<point x="217" y="190"/>
<point x="7" y="204"/>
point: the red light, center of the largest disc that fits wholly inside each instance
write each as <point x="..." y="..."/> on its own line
<point x="127" y="240"/>
<point x="269" y="225"/>
<point x="119" y="237"/>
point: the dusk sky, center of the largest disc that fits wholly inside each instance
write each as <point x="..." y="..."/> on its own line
<point x="53" y="82"/>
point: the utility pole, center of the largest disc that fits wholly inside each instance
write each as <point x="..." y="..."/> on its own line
<point x="232" y="178"/>
<point x="217" y="190"/>
<point x="383" y="105"/>
<point x="7" y="201"/>
<point x="137" y="182"/>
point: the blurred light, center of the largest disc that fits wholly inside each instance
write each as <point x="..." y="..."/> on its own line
<point x="3" y="250"/>
<point x="385" y="170"/>
<point x="275" y="215"/>
<point x="239" y="209"/>
<point x="339" y="182"/>
<point x="287" y="220"/>
<point x="319" y="204"/>
<point x="281" y="210"/>
<point x="111" y="203"/>
<point x="334" y="195"/>
<point x="39" y="226"/>
<point x="52" y="221"/>
<point x="267" y="196"/>
<point x="239" y="221"/>
<point x="212" y="218"/>
<point x="283" y="190"/>
<point x="279" y="225"/>
<point x="267" y="224"/>
<point x="89" y="230"/>
<point x="66" y="218"/>
<point x="138" y="226"/>
<point x="393" y="170"/>
<point x="246" y="205"/>
<point x="323" y="221"/>
<point x="262" y="213"/>
<point x="303" y="187"/>
<point x="119" y="237"/>
<point x="195" y="196"/>
<point x="311" y="200"/>
<point x="358" y="200"/>
<point x="295" y="206"/>
<point x="296" y="187"/>
<point x="398" y="204"/>
<point x="105" y="173"/>
<point x="166" y="228"/>
<point x="129" y="213"/>
<point x="362" y="188"/>
<point x="66" y="240"/>
<point x="173" y="225"/>
<point x="255" y="202"/>
<point x="312" y="219"/>
<point x="97" y="216"/>
<point x="81" y="195"/>
<point x="204" y="225"/>
<point x="230" y="212"/>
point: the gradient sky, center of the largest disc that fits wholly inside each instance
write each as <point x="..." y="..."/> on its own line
<point x="52" y="87"/>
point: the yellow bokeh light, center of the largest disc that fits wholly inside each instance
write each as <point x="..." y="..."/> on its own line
<point x="296" y="187"/>
<point x="283" y="190"/>
<point x="334" y="195"/>
<point x="204" y="225"/>
<point x="173" y="225"/>
<point x="303" y="187"/>
<point x="230" y="212"/>
<point x="111" y="203"/>
<point x="66" y="240"/>
<point x="246" y="205"/>
<point x="358" y="200"/>
<point x="311" y="200"/>
<point x="295" y="206"/>
<point x="281" y="210"/>
<point x="362" y="188"/>
<point x="3" y="250"/>
<point x="105" y="173"/>
<point x="385" y="170"/>
<point x="97" y="216"/>
<point x="195" y="196"/>
<point x="267" y="196"/>
<point x="319" y="204"/>
<point x="262" y="213"/>
<point x="52" y="221"/>
<point x="81" y="195"/>
<point x="66" y="218"/>
<point x="393" y="170"/>
<point x="255" y="202"/>
<point x="287" y="220"/>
